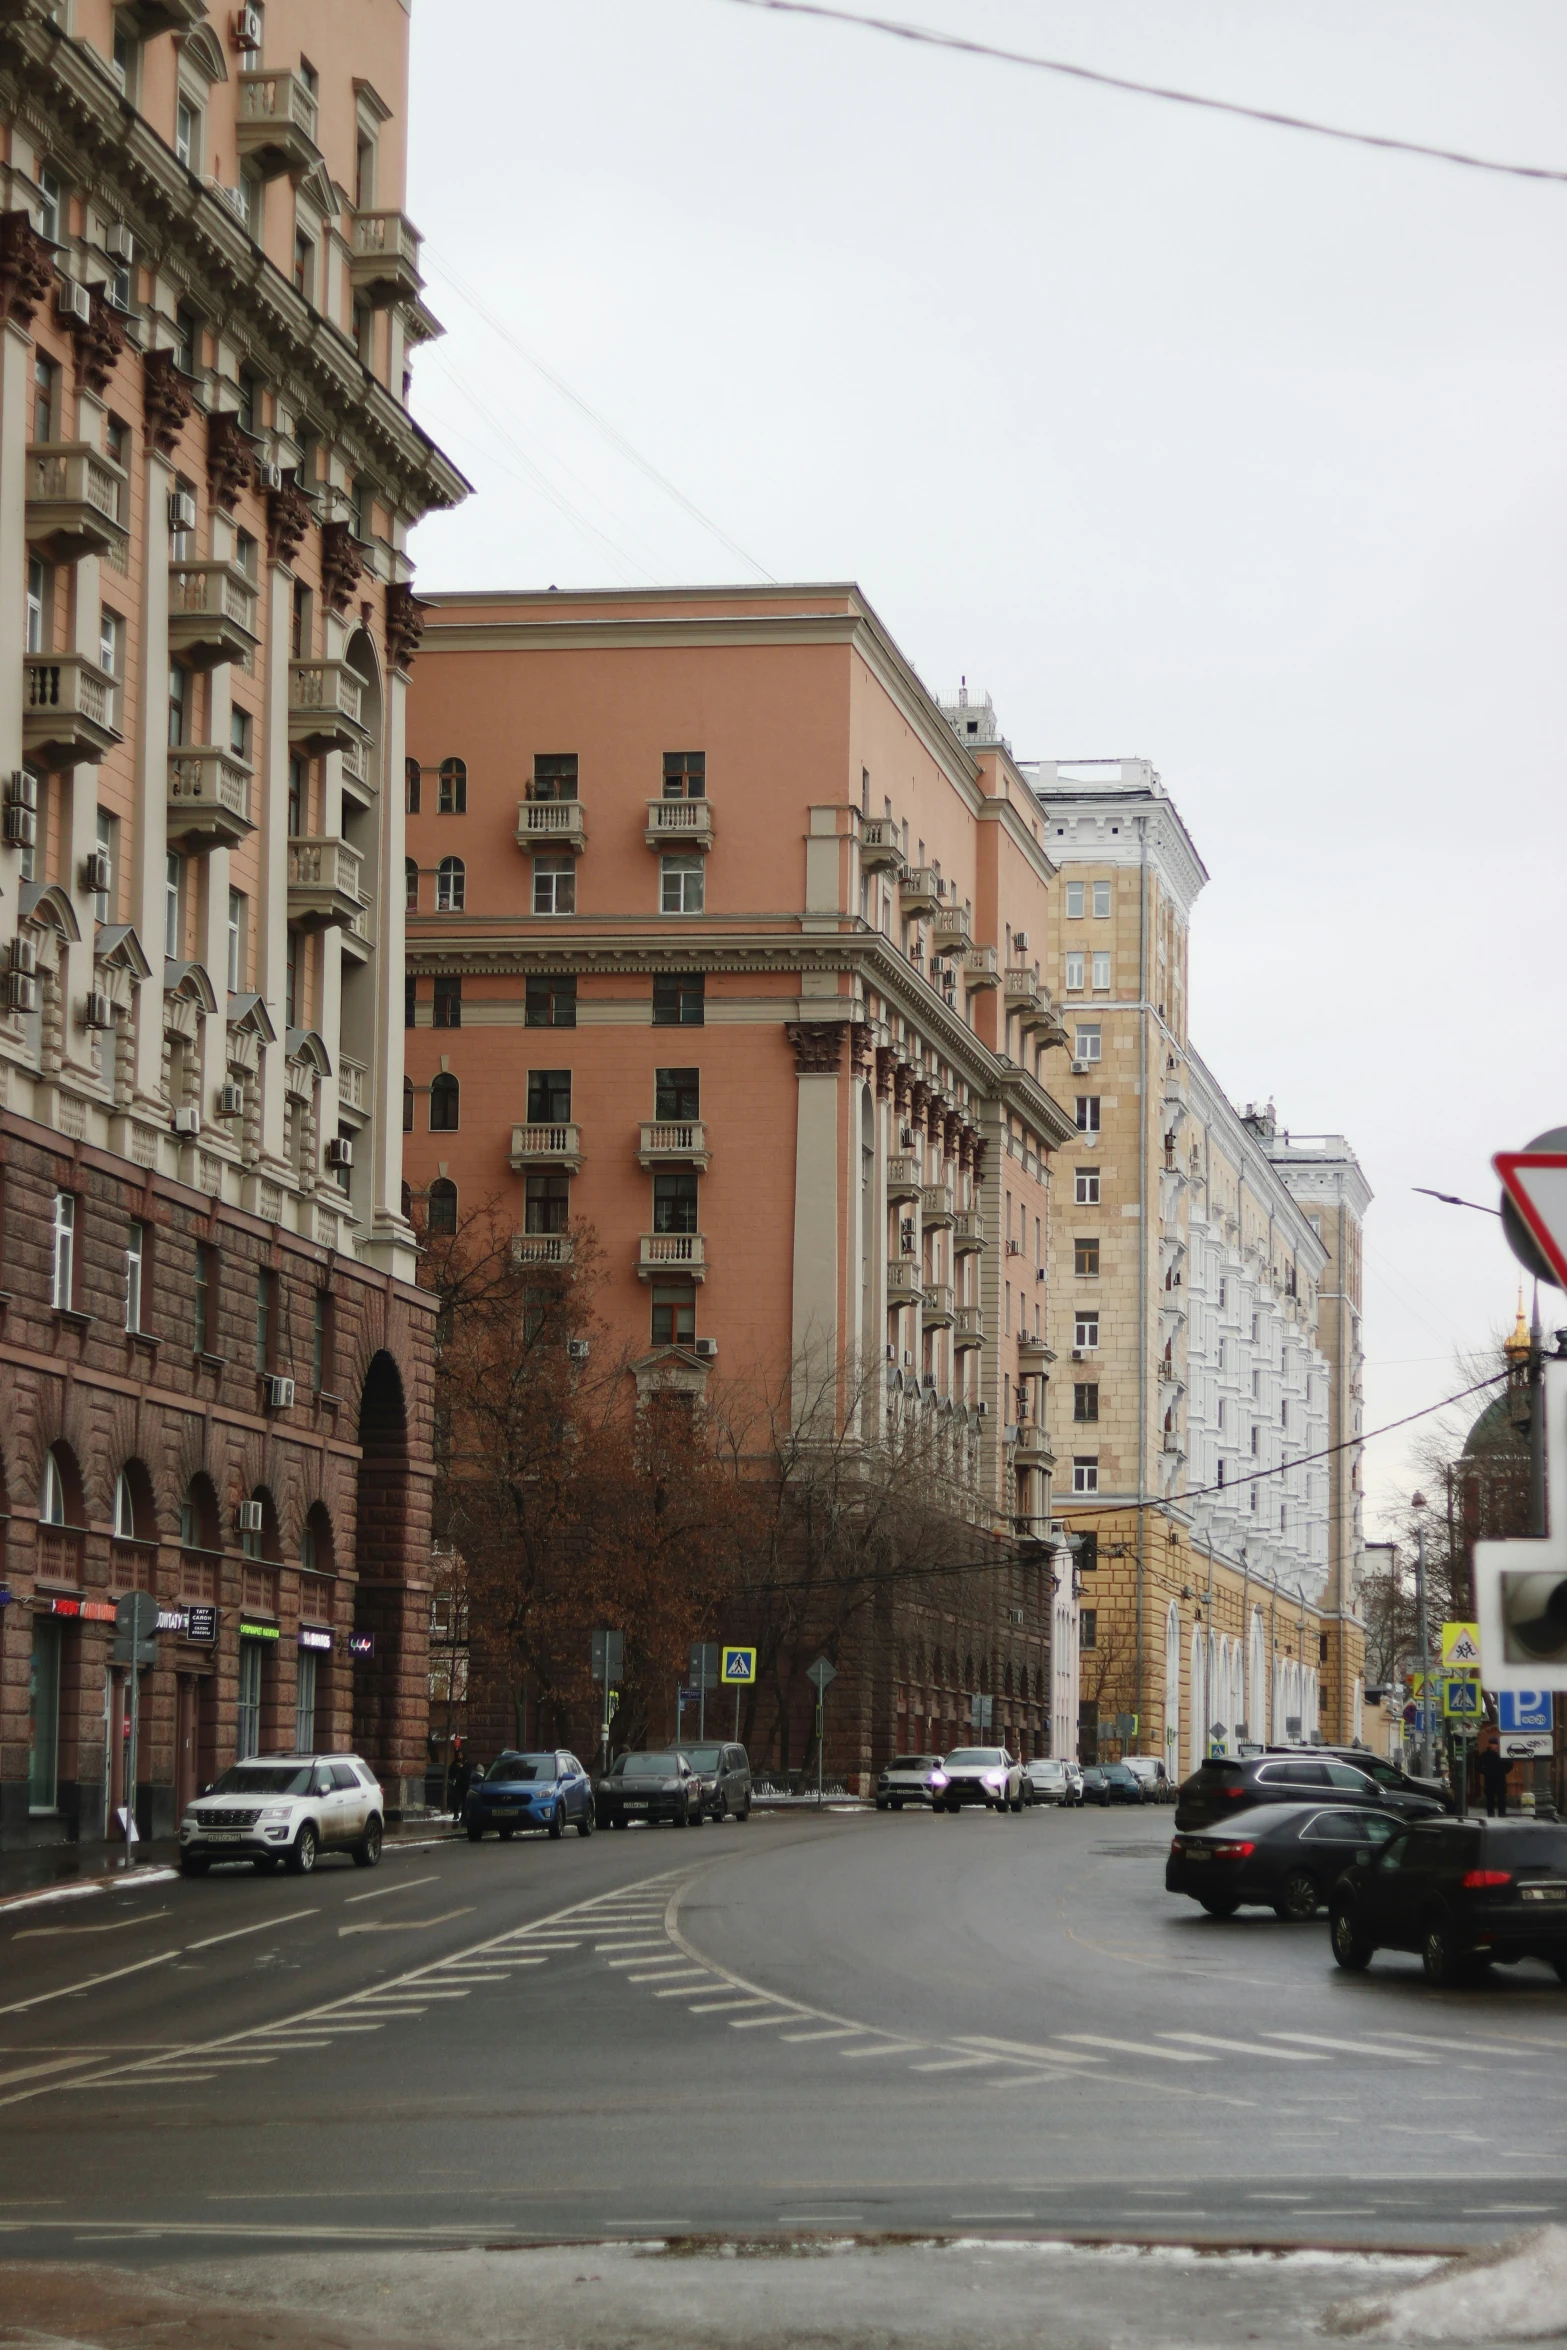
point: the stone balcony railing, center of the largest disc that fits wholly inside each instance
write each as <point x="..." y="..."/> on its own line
<point x="75" y="501"/>
<point x="212" y="614"/>
<point x="904" y="1286"/>
<point x="949" y="931"/>
<point x="903" y="1176"/>
<point x="968" y="1327"/>
<point x="277" y="123"/>
<point x="981" y="968"/>
<point x="679" y="824"/>
<point x="325" y="706"/>
<point x="541" y="1248"/>
<point x="968" y="1231"/>
<point x="936" y="1209"/>
<point x="938" y="1305"/>
<point x="673" y="1142"/>
<point x="552" y="824"/>
<point x="547" y="1144"/>
<point x="67" y="709"/>
<point x="208" y="797"/>
<point x="353" y="1080"/>
<point x="680" y="1255"/>
<point x="881" y="844"/>
<point x="323" y="883"/>
<point x="919" y="890"/>
<point x="383" y="260"/>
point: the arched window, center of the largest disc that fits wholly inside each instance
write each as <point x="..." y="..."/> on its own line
<point x="411" y="773"/>
<point x="317" y="1554"/>
<point x="199" y="1516"/>
<point x="411" y="884"/>
<point x="408" y="1105"/>
<point x="443" y="1104"/>
<point x="451" y="885"/>
<point x="452" y="798"/>
<point x="51" y="1493"/>
<point x="443" y="1206"/>
<point x="124" y="1509"/>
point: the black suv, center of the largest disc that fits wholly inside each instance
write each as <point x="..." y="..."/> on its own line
<point x="1463" y="1893"/>
<point x="1218" y="1790"/>
<point x="725" y="1773"/>
<point x="1387" y="1775"/>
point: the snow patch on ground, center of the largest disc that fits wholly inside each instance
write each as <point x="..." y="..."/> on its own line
<point x="1517" y="2293"/>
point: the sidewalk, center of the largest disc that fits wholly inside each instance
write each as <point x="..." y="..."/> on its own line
<point x="69" y="1869"/>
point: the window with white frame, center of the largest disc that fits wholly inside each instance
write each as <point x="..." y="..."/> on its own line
<point x="1101" y="971"/>
<point x="680" y="885"/>
<point x="1074" y="974"/>
<point x="1086" y="1187"/>
<point x="554" y="885"/>
<point x="1085" y="1473"/>
<point x="1101" y="899"/>
<point x="173" y="904"/>
<point x="111" y="641"/>
<point x="37" y="598"/>
<point x="108" y="840"/>
<point x="64" y="1251"/>
<point x="1089" y="1044"/>
<point x="124" y="1501"/>
<point x="238" y="911"/>
<point x="135" y="1253"/>
<point x="1085" y="1333"/>
<point x="1074" y="901"/>
<point x="451" y="885"/>
<point x="187" y="132"/>
<point x="1088" y="1113"/>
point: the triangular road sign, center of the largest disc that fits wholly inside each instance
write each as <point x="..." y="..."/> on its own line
<point x="1536" y="1183"/>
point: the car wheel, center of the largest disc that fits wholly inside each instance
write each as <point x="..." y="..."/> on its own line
<point x="1298" y="1899"/>
<point x="681" y="1819"/>
<point x="303" y="1850"/>
<point x="368" y="1850"/>
<point x="587" y="1823"/>
<point x="1018" y="1805"/>
<point x="1350" y="1948"/>
<point x="744" y="1813"/>
<point x="557" y="1822"/>
<point x="475" y="1832"/>
<point x="1219" y="1905"/>
<point x="1560" y="1964"/>
<point x="897" y="1803"/>
<point x="882" y="1804"/>
<point x="192" y="1865"/>
<point x="1438" y="1957"/>
<point x="721" y="1809"/>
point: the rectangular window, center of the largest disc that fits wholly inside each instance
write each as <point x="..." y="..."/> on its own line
<point x="1074" y="901"/>
<point x="1221" y="1408"/>
<point x="179" y="697"/>
<point x="549" y="1097"/>
<point x="204" y="1297"/>
<point x="1089" y="1044"/>
<point x="1085" y="1333"/>
<point x="108" y="837"/>
<point x="292" y="997"/>
<point x="299" y="615"/>
<point x="554" y="885"/>
<point x="1101" y="900"/>
<point x="266" y="1320"/>
<point x="448" y="1003"/>
<point x="685" y="775"/>
<point x="677" y="1093"/>
<point x="321" y="1342"/>
<point x="43" y="1716"/>
<point x="674" y="1316"/>
<point x="547" y="1203"/>
<point x="304" y="265"/>
<point x="1085" y="1399"/>
<point x="1085" y="1257"/>
<point x="63" y="1292"/>
<point x="51" y="206"/>
<point x="187" y="134"/>
<point x="412" y="777"/>
<point x="1087" y="1187"/>
<point x="552" y="999"/>
<point x="298" y="797"/>
<point x="1088" y="1113"/>
<point x="675" y="1203"/>
<point x="554" y="776"/>
<point x="410" y="998"/>
<point x="135" y="1246"/>
<point x="305" y="1702"/>
<point x="236" y="942"/>
<point x="1101" y="971"/>
<point x="1085" y="1473"/>
<point x="239" y="734"/>
<point x="1088" y="1628"/>
<point x="1221" y="1472"/>
<point x="1074" y="973"/>
<point x="37" y="594"/>
<point x="679" y="999"/>
<point x="46" y="398"/>
<point x="173" y="906"/>
<point x="247" y="1718"/>
<point x="681" y="884"/>
<point x="111" y="640"/>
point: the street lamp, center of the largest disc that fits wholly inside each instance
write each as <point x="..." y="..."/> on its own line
<point x="1417" y="1502"/>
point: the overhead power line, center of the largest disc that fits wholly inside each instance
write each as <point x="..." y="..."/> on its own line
<point x="926" y="36"/>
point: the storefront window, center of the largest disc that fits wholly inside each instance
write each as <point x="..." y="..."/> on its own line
<point x="247" y="1734"/>
<point x="43" y="1716"/>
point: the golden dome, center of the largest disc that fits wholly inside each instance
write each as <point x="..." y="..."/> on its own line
<point x="1517" y="1347"/>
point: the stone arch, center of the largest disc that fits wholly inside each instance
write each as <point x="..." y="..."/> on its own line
<point x="61" y="1493"/>
<point x="266" y="1545"/>
<point x="390" y="1685"/>
<point x="317" y="1542"/>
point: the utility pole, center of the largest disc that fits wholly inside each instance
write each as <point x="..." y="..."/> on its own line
<point x="1423" y="1636"/>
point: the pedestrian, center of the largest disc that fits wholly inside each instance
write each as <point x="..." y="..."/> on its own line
<point x="1493" y="1777"/>
<point x="460" y="1776"/>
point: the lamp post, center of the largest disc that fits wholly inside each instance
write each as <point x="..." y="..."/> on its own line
<point x="1417" y="1502"/>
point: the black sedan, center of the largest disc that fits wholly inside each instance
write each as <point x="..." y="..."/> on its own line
<point x="1111" y="1783"/>
<point x="1286" y="1857"/>
<point x="550" y="1791"/>
<point x="1464" y="1894"/>
<point x="658" y="1786"/>
<point x="1218" y="1789"/>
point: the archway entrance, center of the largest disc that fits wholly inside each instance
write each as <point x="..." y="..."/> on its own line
<point x="391" y="1684"/>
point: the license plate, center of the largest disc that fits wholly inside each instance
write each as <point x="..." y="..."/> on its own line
<point x="513" y="1814"/>
<point x="1199" y="1852"/>
<point x="223" y="1835"/>
<point x="638" y="1805"/>
<point x="1544" y="1892"/>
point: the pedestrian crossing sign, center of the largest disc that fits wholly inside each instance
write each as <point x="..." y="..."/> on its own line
<point x="1461" y="1701"/>
<point x="1461" y="1644"/>
<point x="739" y="1668"/>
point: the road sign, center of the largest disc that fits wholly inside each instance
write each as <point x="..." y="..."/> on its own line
<point x="1460" y="1644"/>
<point x="135" y="1630"/>
<point x="703" y="1672"/>
<point x="1521" y="1586"/>
<point x="1535" y="1183"/>
<point x="1524" y="1710"/>
<point x="609" y="1656"/>
<point x="1524" y="1745"/>
<point x="1461" y="1701"/>
<point x="739" y="1667"/>
<point x="821" y="1675"/>
<point x="1411" y="1716"/>
<point x="980" y="1712"/>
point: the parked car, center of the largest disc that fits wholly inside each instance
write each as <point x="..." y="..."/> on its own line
<point x="1122" y="1784"/>
<point x="725" y="1773"/>
<point x="1286" y="1857"/>
<point x="1158" y="1786"/>
<point x="1074" y="1772"/>
<point x="285" y="1807"/>
<point x="1048" y="1779"/>
<point x="1463" y="1893"/>
<point x="1219" y="1789"/>
<point x="1388" y="1776"/>
<point x="910" y="1778"/>
<point x="1094" y="1788"/>
<point x="981" y="1774"/>
<point x="653" y="1786"/>
<point x="548" y="1790"/>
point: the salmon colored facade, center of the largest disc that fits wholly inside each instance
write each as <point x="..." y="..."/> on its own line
<point x="722" y="942"/>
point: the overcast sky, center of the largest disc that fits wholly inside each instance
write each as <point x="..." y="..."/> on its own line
<point x="1187" y="438"/>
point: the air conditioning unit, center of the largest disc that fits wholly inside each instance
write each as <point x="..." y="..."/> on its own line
<point x="100" y="1010"/>
<point x="1014" y="1248"/>
<point x="97" y="872"/>
<point x="247" y="1517"/>
<point x="118" y="242"/>
<point x="182" y="510"/>
<point x="187" y="1121"/>
<point x="706" y="1349"/>
<point x="982" y="1411"/>
<point x="21" y="828"/>
<point x="21" y="789"/>
<point x="24" y="955"/>
<point x="340" y="1152"/>
<point x="1020" y="941"/>
<point x="577" y="1350"/>
<point x="21" y="992"/>
<point x="72" y="302"/>
<point x="277" y="1394"/>
<point x="1080" y="1068"/>
<point x="906" y="1138"/>
<point x="1079" y="1354"/>
<point x="231" y="1101"/>
<point x="247" y="28"/>
<point x="269" y="477"/>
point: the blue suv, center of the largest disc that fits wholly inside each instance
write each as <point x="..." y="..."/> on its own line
<point x="550" y="1791"/>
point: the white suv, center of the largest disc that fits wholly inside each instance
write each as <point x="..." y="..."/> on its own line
<point x="285" y="1807"/>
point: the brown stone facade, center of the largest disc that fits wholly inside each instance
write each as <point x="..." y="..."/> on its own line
<point x="125" y="1454"/>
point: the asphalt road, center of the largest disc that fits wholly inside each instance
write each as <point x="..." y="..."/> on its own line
<point x="854" y="2023"/>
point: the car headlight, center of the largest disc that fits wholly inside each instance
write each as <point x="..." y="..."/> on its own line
<point x="275" y="1811"/>
<point x="994" y="1778"/>
<point x="938" y="1778"/>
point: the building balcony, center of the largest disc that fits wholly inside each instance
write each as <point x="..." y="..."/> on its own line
<point x="981" y="968"/>
<point x="359" y="767"/>
<point x="212" y="614"/>
<point x="679" y="824"/>
<point x="938" y="1305"/>
<point x="1033" y="1356"/>
<point x="541" y="1248"/>
<point x="325" y="702"/>
<point x="359" y="930"/>
<point x="919" y="891"/>
<point x="903" y="1177"/>
<point x="881" y="846"/>
<point x="680" y="1142"/>
<point x="75" y="501"/>
<point x="277" y="122"/>
<point x="904" y="1286"/>
<point x="383" y="259"/>
<point x="936" y="1210"/>
<point x="968" y="1231"/>
<point x="1033" y="1447"/>
<point x="67" y="710"/>
<point x="151" y="17"/>
<point x="552" y="824"/>
<point x="949" y="932"/>
<point x="546" y="1146"/>
<point x="1022" y="990"/>
<point x="678" y="1256"/>
<point x="968" y="1328"/>
<point x="208" y="798"/>
<point x="323" y="883"/>
<point x="353" y="1084"/>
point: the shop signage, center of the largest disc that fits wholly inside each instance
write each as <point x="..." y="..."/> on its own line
<point x="190" y="1623"/>
<point x="361" y="1644"/>
<point x="311" y="1636"/>
<point x="90" y="1611"/>
<point x="258" y="1631"/>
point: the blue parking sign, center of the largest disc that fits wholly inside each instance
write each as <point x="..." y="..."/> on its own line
<point x="1523" y="1709"/>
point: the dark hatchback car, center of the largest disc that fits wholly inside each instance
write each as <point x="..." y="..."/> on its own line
<point x="725" y="1773"/>
<point x="1286" y="1857"/>
<point x="1112" y="1783"/>
<point x="658" y="1786"/>
<point x="1218" y="1790"/>
<point x="550" y="1790"/>
<point x="1465" y="1894"/>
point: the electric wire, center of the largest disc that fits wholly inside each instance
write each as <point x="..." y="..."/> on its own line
<point x="927" y="36"/>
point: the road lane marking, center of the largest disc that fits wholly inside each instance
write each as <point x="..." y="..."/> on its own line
<point x="380" y="1892"/>
<point x="837" y="2032"/>
<point x="682" y="1992"/>
<point x="266" y="1925"/>
<point x="960" y="2064"/>
<point x="670" y="1974"/>
<point x="404" y="1925"/>
<point x="1353" y="2047"/>
<point x="751" y="2023"/>
<point x="109" y="1926"/>
<point x="1136" y="2048"/>
<point x="55" y="2064"/>
<point x="1053" y="2054"/>
<point x="1251" y="2048"/>
<point x="69" y="1990"/>
<point x="726" y="2006"/>
<point x="1446" y="2051"/>
<point x="888" y="2048"/>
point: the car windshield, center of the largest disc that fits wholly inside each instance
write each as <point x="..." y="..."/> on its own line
<point x="508" y="1769"/>
<point x="646" y="1766"/>
<point x="1049" y="1770"/>
<point x="912" y="1762"/>
<point x="1119" y="1771"/>
<point x="264" y="1779"/>
<point x="986" y="1758"/>
<point x="705" y="1758"/>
